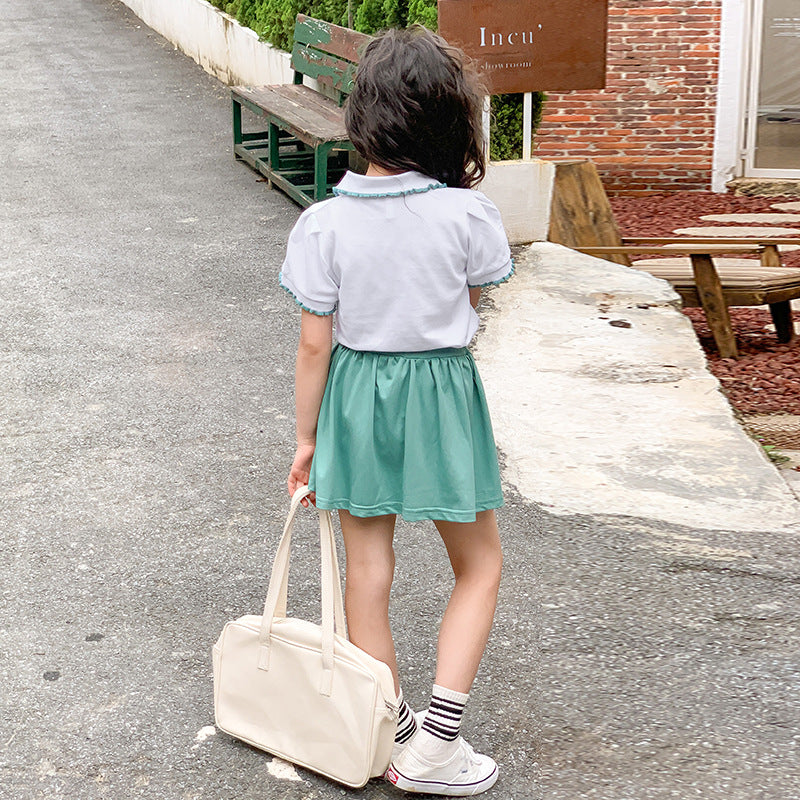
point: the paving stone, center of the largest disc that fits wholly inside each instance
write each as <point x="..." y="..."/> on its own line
<point x="764" y="219"/>
<point x="743" y="231"/>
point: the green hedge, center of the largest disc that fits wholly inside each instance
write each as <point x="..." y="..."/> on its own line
<point x="273" y="20"/>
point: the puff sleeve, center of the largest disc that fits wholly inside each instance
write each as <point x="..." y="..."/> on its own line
<point x="489" y="256"/>
<point x="306" y="274"/>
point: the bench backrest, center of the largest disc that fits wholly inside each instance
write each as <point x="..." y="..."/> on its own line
<point x="580" y="212"/>
<point x="326" y="52"/>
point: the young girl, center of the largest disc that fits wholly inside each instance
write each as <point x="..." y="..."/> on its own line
<point x="395" y="420"/>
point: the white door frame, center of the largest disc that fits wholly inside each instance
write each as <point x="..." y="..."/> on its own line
<point x="728" y="158"/>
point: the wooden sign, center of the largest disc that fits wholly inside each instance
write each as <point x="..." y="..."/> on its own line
<point x="524" y="46"/>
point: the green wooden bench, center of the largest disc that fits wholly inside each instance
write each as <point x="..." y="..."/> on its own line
<point x="303" y="149"/>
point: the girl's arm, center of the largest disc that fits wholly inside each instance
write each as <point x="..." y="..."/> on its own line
<point x="474" y="296"/>
<point x="311" y="374"/>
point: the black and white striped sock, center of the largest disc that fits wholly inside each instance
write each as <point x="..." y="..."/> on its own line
<point x="406" y="722"/>
<point x="443" y="718"/>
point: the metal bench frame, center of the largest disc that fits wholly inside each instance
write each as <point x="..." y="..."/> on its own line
<point x="304" y="148"/>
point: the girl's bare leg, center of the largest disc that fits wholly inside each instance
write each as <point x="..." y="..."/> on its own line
<point x="477" y="560"/>
<point x="370" y="570"/>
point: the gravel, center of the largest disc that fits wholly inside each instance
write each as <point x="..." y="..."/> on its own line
<point x="765" y="379"/>
<point x="660" y="214"/>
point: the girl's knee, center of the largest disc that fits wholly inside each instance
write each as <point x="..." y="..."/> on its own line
<point x="370" y="576"/>
<point x="485" y="569"/>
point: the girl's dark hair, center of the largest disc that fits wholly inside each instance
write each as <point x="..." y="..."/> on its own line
<point x="416" y="105"/>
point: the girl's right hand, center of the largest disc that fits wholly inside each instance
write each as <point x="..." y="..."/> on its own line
<point x="300" y="471"/>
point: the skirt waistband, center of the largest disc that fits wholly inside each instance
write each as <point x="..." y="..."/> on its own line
<point x="443" y="352"/>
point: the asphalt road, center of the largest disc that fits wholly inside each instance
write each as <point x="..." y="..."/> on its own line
<point x="145" y="419"/>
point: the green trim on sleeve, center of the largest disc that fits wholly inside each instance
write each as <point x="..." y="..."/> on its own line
<point x="494" y="283"/>
<point x="304" y="307"/>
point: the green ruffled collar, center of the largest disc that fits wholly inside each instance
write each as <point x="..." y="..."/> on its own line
<point x="355" y="185"/>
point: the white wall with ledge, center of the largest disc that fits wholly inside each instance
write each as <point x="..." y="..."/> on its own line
<point x="217" y="42"/>
<point x="523" y="191"/>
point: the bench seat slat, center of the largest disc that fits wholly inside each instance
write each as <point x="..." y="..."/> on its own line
<point x="689" y="249"/>
<point x="303" y="112"/>
<point x="721" y="240"/>
<point x="298" y="94"/>
<point x="738" y="297"/>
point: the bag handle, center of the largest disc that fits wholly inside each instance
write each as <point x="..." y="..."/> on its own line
<point x="338" y="604"/>
<point x="332" y="605"/>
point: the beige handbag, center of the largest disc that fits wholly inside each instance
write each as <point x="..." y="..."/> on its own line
<point x="302" y="691"/>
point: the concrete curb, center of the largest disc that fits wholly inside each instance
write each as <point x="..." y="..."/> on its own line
<point x="651" y="435"/>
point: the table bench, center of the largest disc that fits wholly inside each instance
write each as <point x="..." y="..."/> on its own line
<point x="304" y="148"/>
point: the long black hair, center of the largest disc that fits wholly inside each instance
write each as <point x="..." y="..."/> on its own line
<point x="416" y="105"/>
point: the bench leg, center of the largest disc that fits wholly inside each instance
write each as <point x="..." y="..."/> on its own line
<point x="321" y="171"/>
<point x="274" y="147"/>
<point x="237" y="125"/>
<point x="770" y="257"/>
<point x="782" y="317"/>
<point x="709" y="289"/>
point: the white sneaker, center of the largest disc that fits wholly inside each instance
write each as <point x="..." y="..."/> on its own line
<point x="463" y="774"/>
<point x="398" y="747"/>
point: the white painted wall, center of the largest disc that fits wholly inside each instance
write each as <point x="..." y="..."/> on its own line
<point x="216" y="41"/>
<point x="731" y="92"/>
<point x="523" y="191"/>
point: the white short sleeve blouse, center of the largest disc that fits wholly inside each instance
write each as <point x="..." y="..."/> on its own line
<point x="394" y="257"/>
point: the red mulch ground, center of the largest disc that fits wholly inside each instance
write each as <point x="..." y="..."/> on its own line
<point x="766" y="377"/>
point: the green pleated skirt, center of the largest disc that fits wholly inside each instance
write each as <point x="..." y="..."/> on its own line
<point x="405" y="433"/>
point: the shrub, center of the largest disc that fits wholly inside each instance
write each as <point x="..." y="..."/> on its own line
<point x="425" y="12"/>
<point x="505" y="135"/>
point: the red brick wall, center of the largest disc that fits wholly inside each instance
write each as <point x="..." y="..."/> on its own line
<point x="652" y="127"/>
